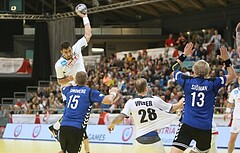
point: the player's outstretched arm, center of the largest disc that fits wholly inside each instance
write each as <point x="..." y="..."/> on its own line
<point x="116" y="120"/>
<point x="86" y="23"/>
<point x="238" y="38"/>
<point x="178" y="105"/>
<point x="64" y="81"/>
<point x="188" y="50"/>
<point x="225" y="57"/>
<point x="109" y="99"/>
<point x="228" y="110"/>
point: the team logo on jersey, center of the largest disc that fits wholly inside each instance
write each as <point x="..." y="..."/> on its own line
<point x="222" y="80"/>
<point x="127" y="133"/>
<point x="72" y="61"/>
<point x="236" y="92"/>
<point x="64" y="62"/>
<point x="87" y="116"/>
<point x="101" y="95"/>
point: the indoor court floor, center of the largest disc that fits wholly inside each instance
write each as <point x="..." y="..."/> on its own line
<point x="29" y="146"/>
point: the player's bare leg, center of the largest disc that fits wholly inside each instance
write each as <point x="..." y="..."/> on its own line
<point x="86" y="145"/>
<point x="176" y="150"/>
<point x="231" y="143"/>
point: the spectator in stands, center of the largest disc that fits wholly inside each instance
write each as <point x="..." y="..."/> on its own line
<point x="208" y="36"/>
<point x="103" y="118"/>
<point x="172" y="99"/>
<point x="224" y="43"/>
<point x="216" y="39"/>
<point x="139" y="57"/>
<point x="170" y="42"/>
<point x="235" y="60"/>
<point x="19" y="102"/>
<point x="129" y="57"/>
<point x="213" y="74"/>
<point x="175" y="53"/>
<point x="124" y="57"/>
<point x="185" y="71"/>
<point x="201" y="53"/>
<point x="156" y="91"/>
<point x="1" y="111"/>
<point x="181" y="41"/>
<point x="107" y="79"/>
<point x="232" y="52"/>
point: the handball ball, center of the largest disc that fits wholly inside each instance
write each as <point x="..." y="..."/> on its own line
<point x="81" y="8"/>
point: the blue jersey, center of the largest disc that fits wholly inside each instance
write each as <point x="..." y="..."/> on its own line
<point x="78" y="105"/>
<point x="199" y="96"/>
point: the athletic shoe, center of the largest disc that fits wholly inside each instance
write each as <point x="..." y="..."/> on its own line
<point x="54" y="132"/>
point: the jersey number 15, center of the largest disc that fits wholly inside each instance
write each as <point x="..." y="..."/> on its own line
<point x="73" y="101"/>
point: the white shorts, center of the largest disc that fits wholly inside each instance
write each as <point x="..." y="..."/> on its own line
<point x="156" y="147"/>
<point x="235" y="128"/>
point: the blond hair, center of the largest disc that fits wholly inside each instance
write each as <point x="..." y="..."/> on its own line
<point x="201" y="68"/>
<point x="141" y="85"/>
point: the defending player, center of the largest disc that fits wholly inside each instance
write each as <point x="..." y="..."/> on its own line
<point x="80" y="99"/>
<point x="199" y="93"/>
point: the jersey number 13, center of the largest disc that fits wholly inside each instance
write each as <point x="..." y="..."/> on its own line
<point x="198" y="96"/>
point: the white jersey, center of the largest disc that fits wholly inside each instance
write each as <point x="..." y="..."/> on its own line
<point x="149" y="114"/>
<point x="235" y="98"/>
<point x="65" y="67"/>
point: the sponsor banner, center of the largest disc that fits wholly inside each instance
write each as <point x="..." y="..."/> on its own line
<point x="52" y="118"/>
<point x="96" y="133"/>
<point x="167" y="134"/>
<point x="31" y="118"/>
<point x="154" y="53"/>
<point x="28" y="131"/>
<point x="121" y="134"/>
<point x="10" y="65"/>
<point x="94" y="119"/>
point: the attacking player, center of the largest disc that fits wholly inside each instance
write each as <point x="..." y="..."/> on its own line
<point x="149" y="115"/>
<point x="71" y="62"/>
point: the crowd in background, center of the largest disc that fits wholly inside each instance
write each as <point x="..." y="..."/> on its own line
<point x="122" y="73"/>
